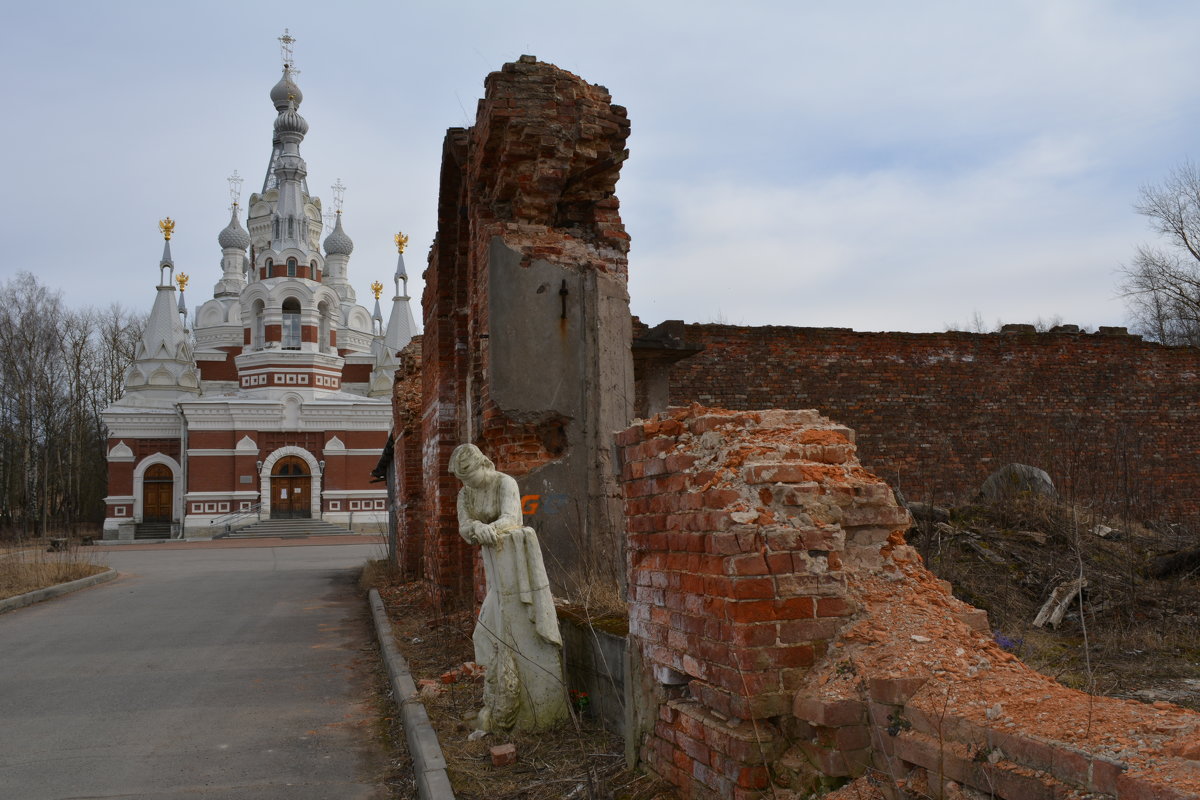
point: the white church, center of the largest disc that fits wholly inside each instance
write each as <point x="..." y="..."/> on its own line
<point x="276" y="402"/>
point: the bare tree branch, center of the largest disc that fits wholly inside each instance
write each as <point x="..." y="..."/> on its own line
<point x="1161" y="285"/>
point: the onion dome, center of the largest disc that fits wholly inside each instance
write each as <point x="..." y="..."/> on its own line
<point x="290" y="121"/>
<point x="284" y="91"/>
<point x="234" y="235"/>
<point x="337" y="242"/>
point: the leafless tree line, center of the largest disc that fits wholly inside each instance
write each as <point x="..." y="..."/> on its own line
<point x="59" y="368"/>
<point x="1162" y="283"/>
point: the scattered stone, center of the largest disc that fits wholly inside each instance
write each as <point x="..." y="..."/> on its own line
<point x="928" y="512"/>
<point x="504" y="755"/>
<point x="916" y="637"/>
<point x="1017" y="479"/>
<point x="1175" y="563"/>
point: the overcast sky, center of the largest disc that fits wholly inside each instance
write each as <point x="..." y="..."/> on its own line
<point x="875" y="165"/>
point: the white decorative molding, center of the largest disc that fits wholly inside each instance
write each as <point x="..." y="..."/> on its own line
<point x="334" y="443"/>
<point x="246" y="443"/>
<point x="120" y="452"/>
<point x="314" y="468"/>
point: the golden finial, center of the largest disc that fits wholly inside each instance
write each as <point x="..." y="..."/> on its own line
<point x="401" y="242"/>
<point x="167" y="226"/>
<point x="182" y="280"/>
<point x="377" y="288"/>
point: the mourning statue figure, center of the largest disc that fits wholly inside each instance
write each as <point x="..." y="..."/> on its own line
<point x="516" y="636"/>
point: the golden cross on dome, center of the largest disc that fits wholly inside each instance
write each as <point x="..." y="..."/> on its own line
<point x="377" y="288"/>
<point x="401" y="242"/>
<point x="167" y="226"/>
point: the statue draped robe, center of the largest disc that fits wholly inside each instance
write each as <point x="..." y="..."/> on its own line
<point x="516" y="636"/>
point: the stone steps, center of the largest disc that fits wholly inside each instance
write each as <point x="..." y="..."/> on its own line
<point x="287" y="528"/>
<point x="152" y="530"/>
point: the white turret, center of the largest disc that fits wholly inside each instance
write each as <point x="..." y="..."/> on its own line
<point x="233" y="240"/>
<point x="402" y="327"/>
<point x="163" y="367"/>
<point x="338" y="247"/>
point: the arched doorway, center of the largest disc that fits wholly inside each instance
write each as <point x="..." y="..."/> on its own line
<point x="158" y="492"/>
<point x="290" y="487"/>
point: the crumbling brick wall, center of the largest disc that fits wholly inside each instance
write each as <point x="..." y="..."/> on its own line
<point x="1109" y="416"/>
<point x="527" y="326"/>
<point x="409" y="552"/>
<point x="787" y="638"/>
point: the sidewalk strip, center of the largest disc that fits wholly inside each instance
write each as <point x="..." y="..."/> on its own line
<point x="429" y="764"/>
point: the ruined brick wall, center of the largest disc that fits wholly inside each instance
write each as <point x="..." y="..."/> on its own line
<point x="1110" y="417"/>
<point x="787" y="639"/>
<point x="526" y="310"/>
<point x="409" y="553"/>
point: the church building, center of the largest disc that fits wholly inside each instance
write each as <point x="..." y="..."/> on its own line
<point x="276" y="403"/>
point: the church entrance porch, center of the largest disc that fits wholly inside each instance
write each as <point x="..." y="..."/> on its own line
<point x="291" y="485"/>
<point x="158" y="492"/>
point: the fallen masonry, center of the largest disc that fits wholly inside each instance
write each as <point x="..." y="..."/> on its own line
<point x="788" y="637"/>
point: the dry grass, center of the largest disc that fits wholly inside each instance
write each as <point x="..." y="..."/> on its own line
<point x="598" y="594"/>
<point x="28" y="567"/>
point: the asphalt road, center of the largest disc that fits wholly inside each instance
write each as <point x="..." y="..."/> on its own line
<point x="209" y="672"/>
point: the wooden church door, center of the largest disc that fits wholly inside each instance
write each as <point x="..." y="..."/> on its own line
<point x="290" y="487"/>
<point x="158" y="490"/>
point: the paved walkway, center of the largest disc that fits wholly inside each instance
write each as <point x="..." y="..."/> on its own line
<point x="209" y="671"/>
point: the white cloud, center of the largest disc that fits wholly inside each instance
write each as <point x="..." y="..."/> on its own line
<point x="868" y="164"/>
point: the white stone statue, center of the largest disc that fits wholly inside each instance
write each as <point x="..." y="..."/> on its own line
<point x="516" y="636"/>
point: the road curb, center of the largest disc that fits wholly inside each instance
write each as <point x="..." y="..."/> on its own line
<point x="429" y="764"/>
<point x="50" y="592"/>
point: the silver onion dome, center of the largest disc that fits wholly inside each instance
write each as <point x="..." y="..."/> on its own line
<point x="286" y="90"/>
<point x="233" y="234"/>
<point x="337" y="242"/>
<point x="290" y="121"/>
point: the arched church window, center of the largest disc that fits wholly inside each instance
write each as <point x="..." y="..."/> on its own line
<point x="291" y="324"/>
<point x="316" y="275"/>
<point x="257" y="335"/>
<point x="291" y="265"/>
<point x="323" y="338"/>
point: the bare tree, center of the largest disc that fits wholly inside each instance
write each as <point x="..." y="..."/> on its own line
<point x="58" y="370"/>
<point x="1162" y="283"/>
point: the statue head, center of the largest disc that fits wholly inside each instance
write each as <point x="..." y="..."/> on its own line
<point x="466" y="458"/>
